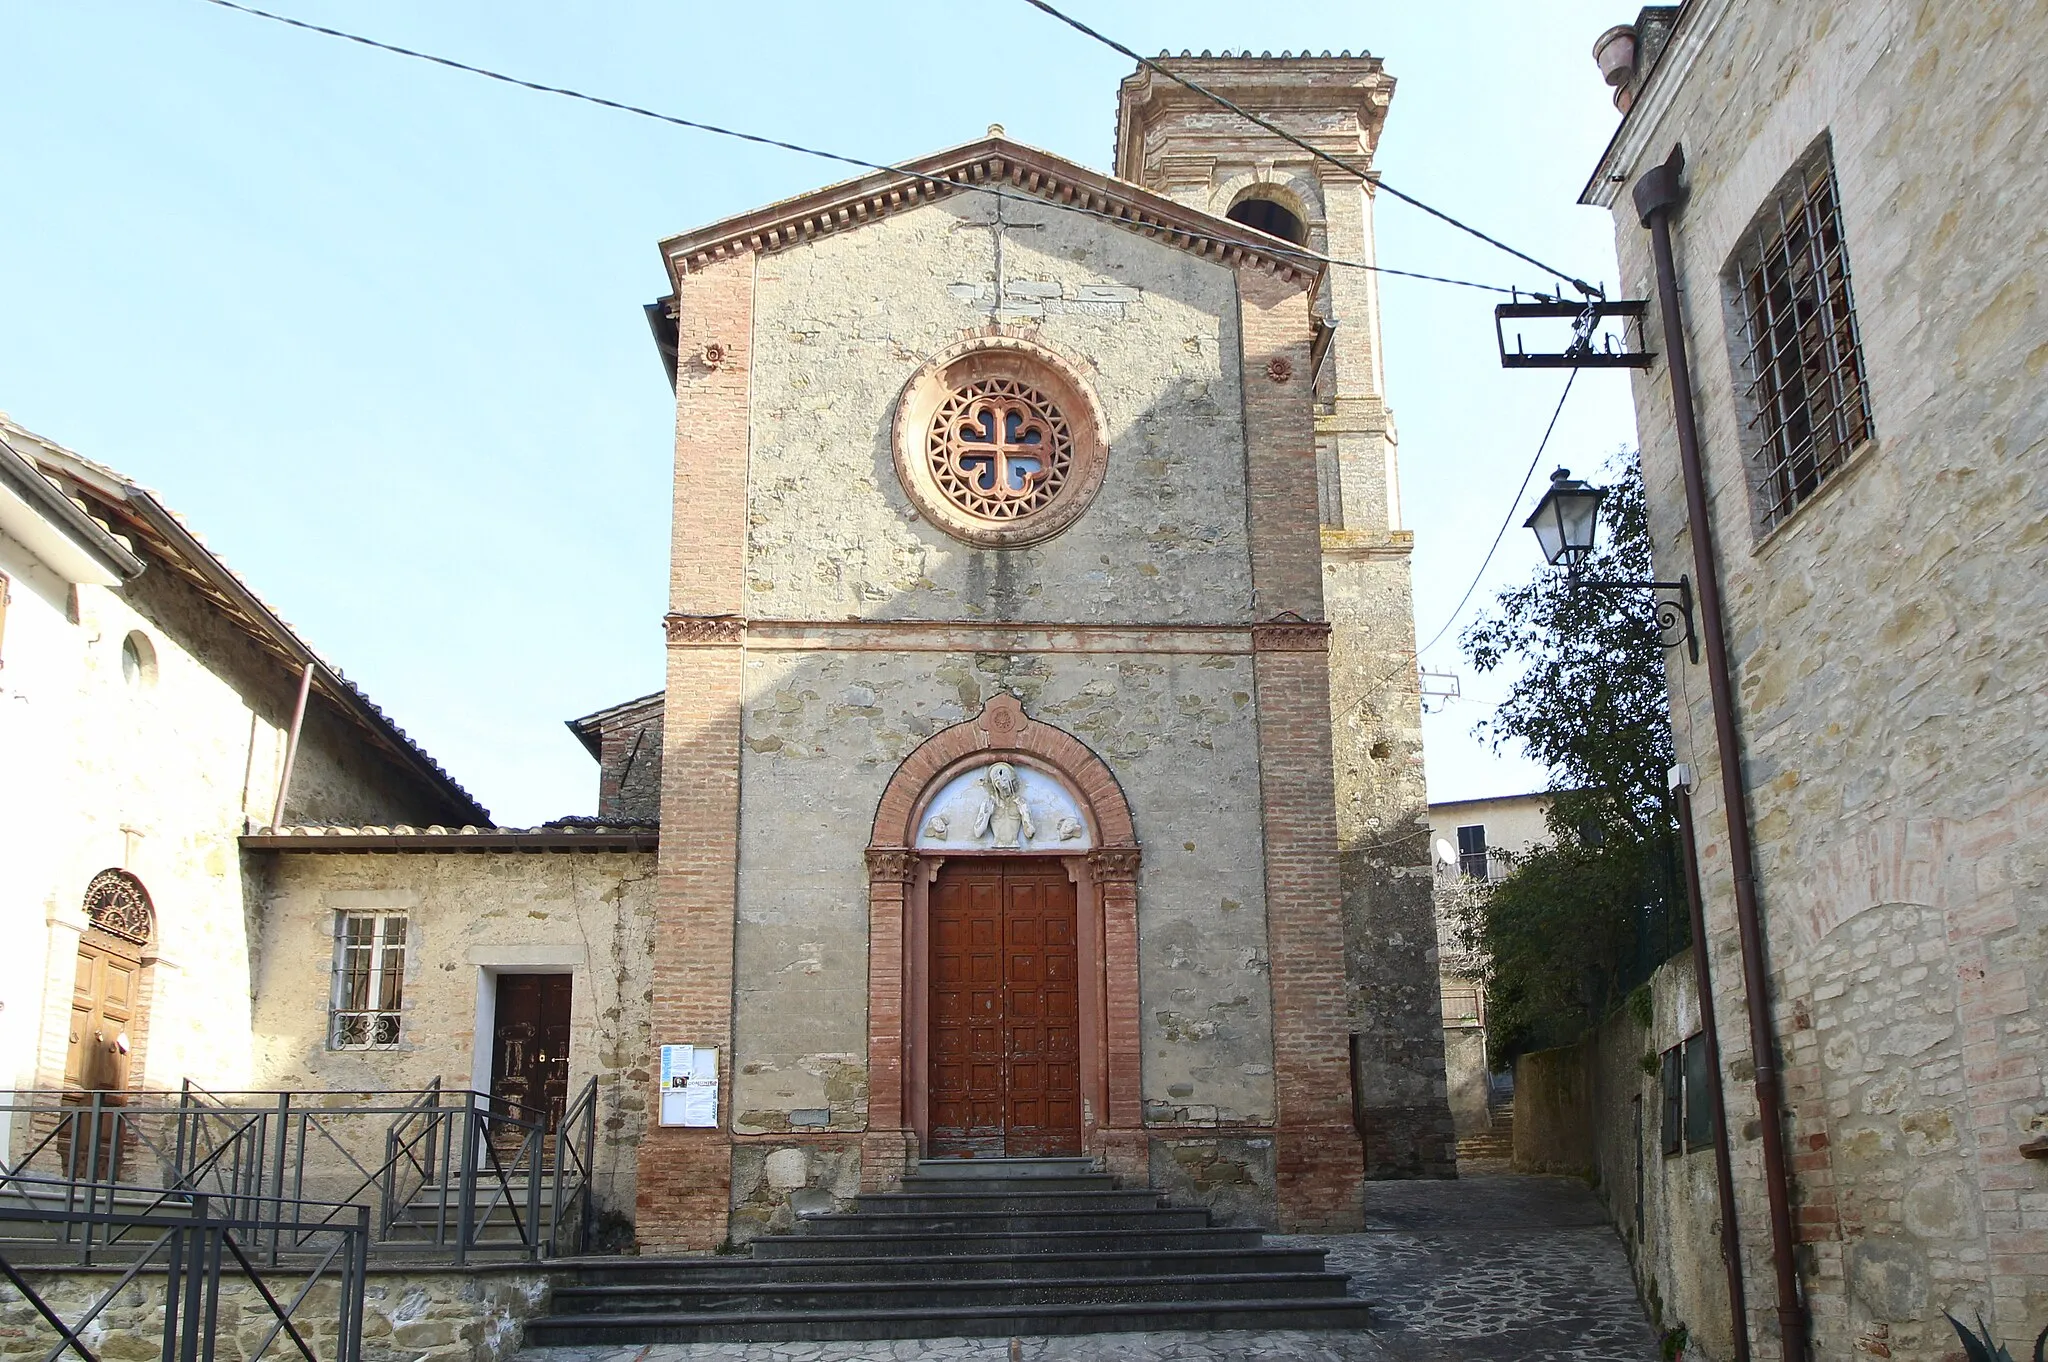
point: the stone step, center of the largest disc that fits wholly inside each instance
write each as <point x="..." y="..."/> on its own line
<point x="867" y="1223"/>
<point x="927" y="1267"/>
<point x="940" y="1293"/>
<point x="1015" y="1241"/>
<point x="971" y="1321"/>
<point x="942" y="1186"/>
<point x="921" y="1202"/>
<point x="1004" y="1168"/>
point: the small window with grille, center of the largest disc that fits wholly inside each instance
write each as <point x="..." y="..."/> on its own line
<point x="369" y="981"/>
<point x="1798" y="356"/>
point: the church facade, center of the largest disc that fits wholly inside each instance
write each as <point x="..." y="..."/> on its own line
<point x="1034" y="543"/>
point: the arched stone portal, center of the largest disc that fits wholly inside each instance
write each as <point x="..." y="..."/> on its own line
<point x="1100" y="857"/>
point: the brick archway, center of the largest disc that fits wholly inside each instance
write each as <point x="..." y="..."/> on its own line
<point x="1106" y="881"/>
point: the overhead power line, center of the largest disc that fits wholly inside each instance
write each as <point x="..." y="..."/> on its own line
<point x="1415" y="658"/>
<point x="1589" y="290"/>
<point x="1277" y="247"/>
<point x="1513" y="506"/>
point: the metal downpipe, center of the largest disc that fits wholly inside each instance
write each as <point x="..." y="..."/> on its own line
<point x="1657" y="195"/>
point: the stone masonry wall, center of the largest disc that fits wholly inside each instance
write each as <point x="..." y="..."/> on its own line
<point x="470" y="917"/>
<point x="823" y="732"/>
<point x="409" y="1315"/>
<point x="1891" y="670"/>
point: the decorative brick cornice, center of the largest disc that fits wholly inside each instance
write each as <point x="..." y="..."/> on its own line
<point x="1290" y="633"/>
<point x="892" y="865"/>
<point x="1114" y="863"/>
<point x="990" y="163"/>
<point x="704" y="631"/>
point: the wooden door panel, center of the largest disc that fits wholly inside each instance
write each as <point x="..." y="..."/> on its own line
<point x="1005" y="1071"/>
<point x="530" y="1046"/>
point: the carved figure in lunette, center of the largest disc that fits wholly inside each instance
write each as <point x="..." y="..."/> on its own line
<point x="1002" y="813"/>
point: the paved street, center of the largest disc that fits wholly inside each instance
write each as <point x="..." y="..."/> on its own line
<point x="1478" y="1270"/>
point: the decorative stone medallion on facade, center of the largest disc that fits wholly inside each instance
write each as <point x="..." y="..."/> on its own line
<point x="999" y="442"/>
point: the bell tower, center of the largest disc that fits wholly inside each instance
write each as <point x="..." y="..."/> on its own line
<point x="1183" y="145"/>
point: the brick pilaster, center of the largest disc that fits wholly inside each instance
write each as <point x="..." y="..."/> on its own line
<point x="685" y="1176"/>
<point x="1320" y="1163"/>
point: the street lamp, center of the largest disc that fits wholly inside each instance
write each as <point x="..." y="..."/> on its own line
<point x="1566" y="519"/>
<point x="1566" y="522"/>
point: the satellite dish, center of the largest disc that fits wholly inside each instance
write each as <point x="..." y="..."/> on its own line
<point x="1444" y="852"/>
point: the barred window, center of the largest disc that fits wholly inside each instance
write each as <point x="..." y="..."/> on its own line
<point x="369" y="981"/>
<point x="1798" y="354"/>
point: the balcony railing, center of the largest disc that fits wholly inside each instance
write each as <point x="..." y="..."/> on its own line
<point x="443" y="1175"/>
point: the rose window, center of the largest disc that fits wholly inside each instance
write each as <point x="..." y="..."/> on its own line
<point x="998" y="441"/>
<point x="1000" y="449"/>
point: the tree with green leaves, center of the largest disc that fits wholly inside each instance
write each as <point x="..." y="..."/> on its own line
<point x="1580" y="920"/>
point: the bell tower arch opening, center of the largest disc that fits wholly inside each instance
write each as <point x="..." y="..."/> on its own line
<point x="1264" y="212"/>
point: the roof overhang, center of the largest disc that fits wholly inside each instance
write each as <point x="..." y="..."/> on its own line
<point x="589" y="729"/>
<point x="35" y="513"/>
<point x="452" y="842"/>
<point x="997" y="164"/>
<point x="1631" y="144"/>
<point x="160" y="537"/>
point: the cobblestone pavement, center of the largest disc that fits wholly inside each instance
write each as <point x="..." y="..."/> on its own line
<point x="1484" y="1269"/>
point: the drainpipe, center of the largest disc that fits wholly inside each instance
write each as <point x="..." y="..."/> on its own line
<point x="1657" y="195"/>
<point x="1710" y="1037"/>
<point x="291" y="749"/>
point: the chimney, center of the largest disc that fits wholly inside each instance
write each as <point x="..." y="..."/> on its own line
<point x="1615" y="51"/>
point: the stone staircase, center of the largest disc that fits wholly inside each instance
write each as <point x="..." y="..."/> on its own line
<point x="1496" y="1144"/>
<point x="968" y="1247"/>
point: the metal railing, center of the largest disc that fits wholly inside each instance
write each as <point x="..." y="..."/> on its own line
<point x="442" y="1173"/>
<point x="194" y="1244"/>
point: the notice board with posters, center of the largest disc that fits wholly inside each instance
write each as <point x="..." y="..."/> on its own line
<point x="689" y="1085"/>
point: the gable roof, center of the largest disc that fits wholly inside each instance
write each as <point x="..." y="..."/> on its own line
<point x="134" y="513"/>
<point x="589" y="729"/>
<point x="991" y="163"/>
<point x="53" y="527"/>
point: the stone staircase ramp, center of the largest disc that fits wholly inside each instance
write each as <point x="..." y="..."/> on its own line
<point x="981" y="1247"/>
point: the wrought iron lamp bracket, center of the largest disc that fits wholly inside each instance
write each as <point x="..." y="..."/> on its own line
<point x="1674" y="617"/>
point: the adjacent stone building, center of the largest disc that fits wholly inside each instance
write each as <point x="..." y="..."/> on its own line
<point x="1860" y="258"/>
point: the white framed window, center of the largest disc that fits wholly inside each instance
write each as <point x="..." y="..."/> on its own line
<point x="369" y="981"/>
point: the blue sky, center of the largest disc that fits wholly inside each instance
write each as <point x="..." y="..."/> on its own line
<point x="374" y="327"/>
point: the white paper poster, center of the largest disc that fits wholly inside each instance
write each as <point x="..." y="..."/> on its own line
<point x="689" y="1085"/>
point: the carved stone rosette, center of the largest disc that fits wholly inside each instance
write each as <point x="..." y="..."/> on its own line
<point x="704" y="631"/>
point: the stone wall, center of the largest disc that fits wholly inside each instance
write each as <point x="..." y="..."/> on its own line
<point x="1890" y="669"/>
<point x="470" y="917"/>
<point x="1554" y="1111"/>
<point x="409" y="1314"/>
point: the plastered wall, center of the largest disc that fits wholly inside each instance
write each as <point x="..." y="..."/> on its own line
<point x="842" y="323"/>
<point x="822" y="734"/>
<point x="157" y="775"/>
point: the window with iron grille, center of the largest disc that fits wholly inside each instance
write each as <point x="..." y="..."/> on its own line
<point x="1798" y="355"/>
<point x="369" y="981"/>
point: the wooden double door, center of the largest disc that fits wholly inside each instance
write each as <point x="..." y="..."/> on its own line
<point x="530" y="1046"/>
<point x="1005" y="1009"/>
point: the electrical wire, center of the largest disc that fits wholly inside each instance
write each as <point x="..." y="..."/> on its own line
<point x="1276" y="247"/>
<point x="1513" y="506"/>
<point x="1589" y="290"/>
<point x="1415" y="658"/>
